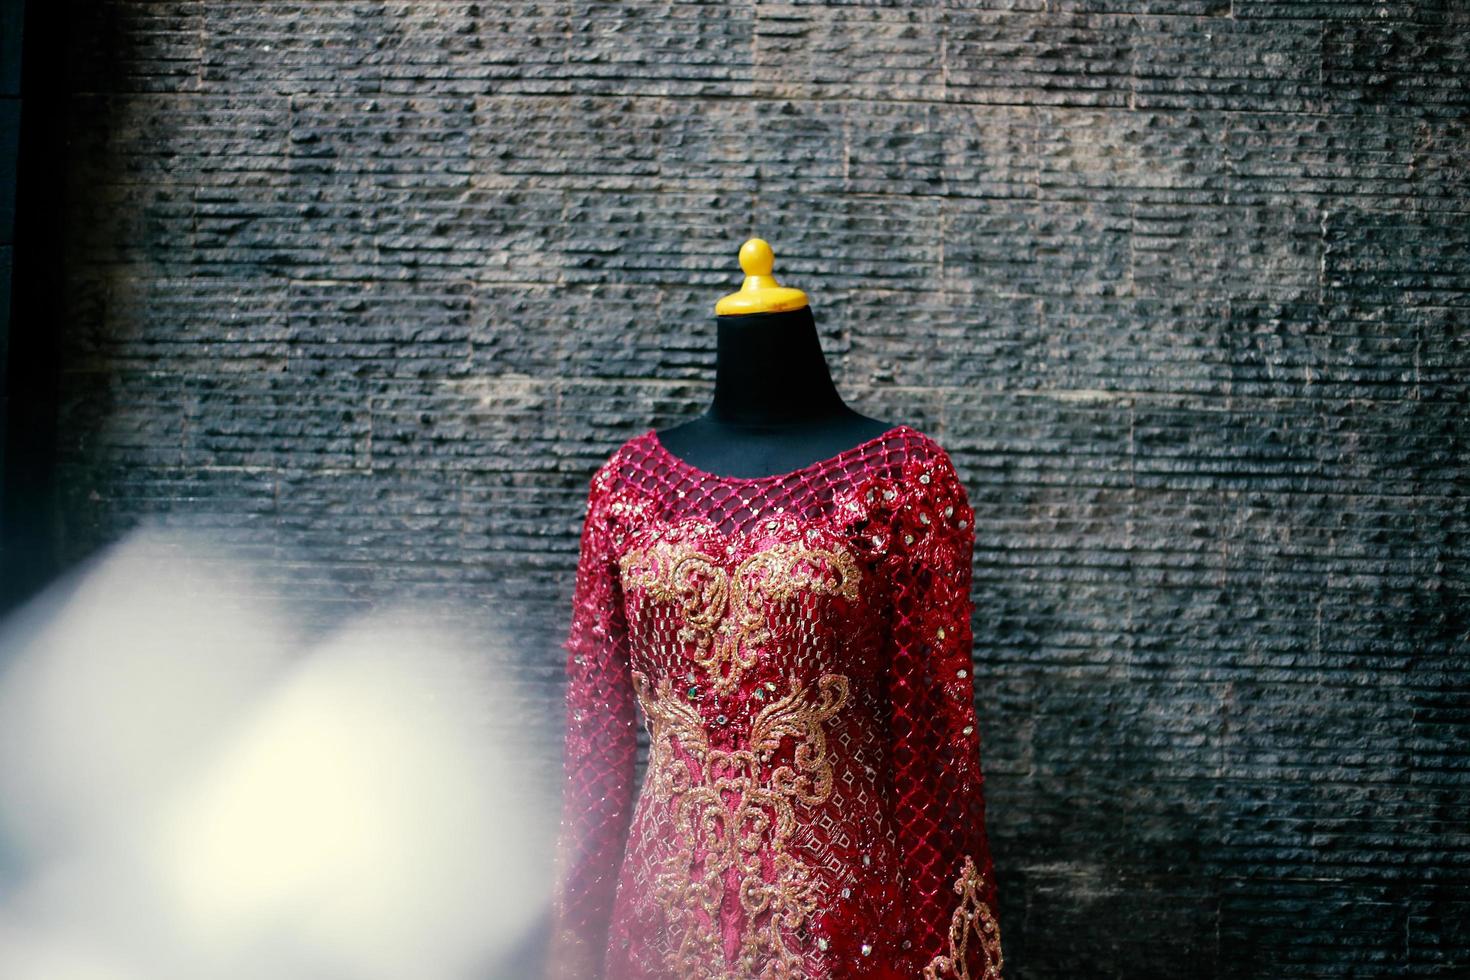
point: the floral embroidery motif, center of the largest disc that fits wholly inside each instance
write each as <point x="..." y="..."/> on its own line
<point x="725" y="645"/>
<point x="972" y="915"/>
<point x="728" y="597"/>
<point x="717" y="831"/>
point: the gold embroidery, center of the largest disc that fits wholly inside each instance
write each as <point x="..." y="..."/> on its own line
<point x="717" y="832"/>
<point x="726" y="645"/>
<point x="975" y="914"/>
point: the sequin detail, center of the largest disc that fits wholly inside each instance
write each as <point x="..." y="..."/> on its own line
<point x="973" y="915"/>
<point x="732" y="815"/>
<point x="799" y="649"/>
<point x="724" y="613"/>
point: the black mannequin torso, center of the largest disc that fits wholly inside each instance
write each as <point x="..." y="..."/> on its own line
<point x="775" y="408"/>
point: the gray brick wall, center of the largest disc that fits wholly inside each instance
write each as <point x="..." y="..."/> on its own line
<point x="1181" y="284"/>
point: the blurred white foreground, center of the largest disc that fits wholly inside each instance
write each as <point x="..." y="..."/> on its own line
<point x="190" y="792"/>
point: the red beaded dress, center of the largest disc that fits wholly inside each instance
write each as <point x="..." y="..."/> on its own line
<point x="798" y="648"/>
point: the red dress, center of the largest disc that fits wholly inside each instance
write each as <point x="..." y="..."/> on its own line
<point x="798" y="647"/>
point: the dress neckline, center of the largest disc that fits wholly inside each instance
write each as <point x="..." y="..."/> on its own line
<point x="688" y="467"/>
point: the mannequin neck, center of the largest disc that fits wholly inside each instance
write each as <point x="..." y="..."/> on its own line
<point x="775" y="407"/>
<point x="770" y="372"/>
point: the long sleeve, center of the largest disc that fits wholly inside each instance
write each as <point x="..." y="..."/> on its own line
<point x="947" y="882"/>
<point x="599" y="754"/>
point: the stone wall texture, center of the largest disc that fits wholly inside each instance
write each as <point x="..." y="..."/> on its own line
<point x="1180" y="284"/>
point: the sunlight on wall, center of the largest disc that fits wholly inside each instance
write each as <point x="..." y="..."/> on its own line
<point x="188" y="790"/>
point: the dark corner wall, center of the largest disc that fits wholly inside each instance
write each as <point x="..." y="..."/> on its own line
<point x="32" y="100"/>
<point x="1180" y="284"/>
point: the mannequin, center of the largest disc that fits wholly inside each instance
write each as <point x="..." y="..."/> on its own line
<point x="775" y="408"/>
<point x="793" y="624"/>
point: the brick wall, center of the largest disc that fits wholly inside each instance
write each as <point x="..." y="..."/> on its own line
<point x="1181" y="285"/>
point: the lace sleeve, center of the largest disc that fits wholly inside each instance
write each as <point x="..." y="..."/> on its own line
<point x="599" y="754"/>
<point x="939" y="808"/>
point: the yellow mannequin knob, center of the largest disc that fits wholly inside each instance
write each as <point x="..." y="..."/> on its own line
<point x="759" y="293"/>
